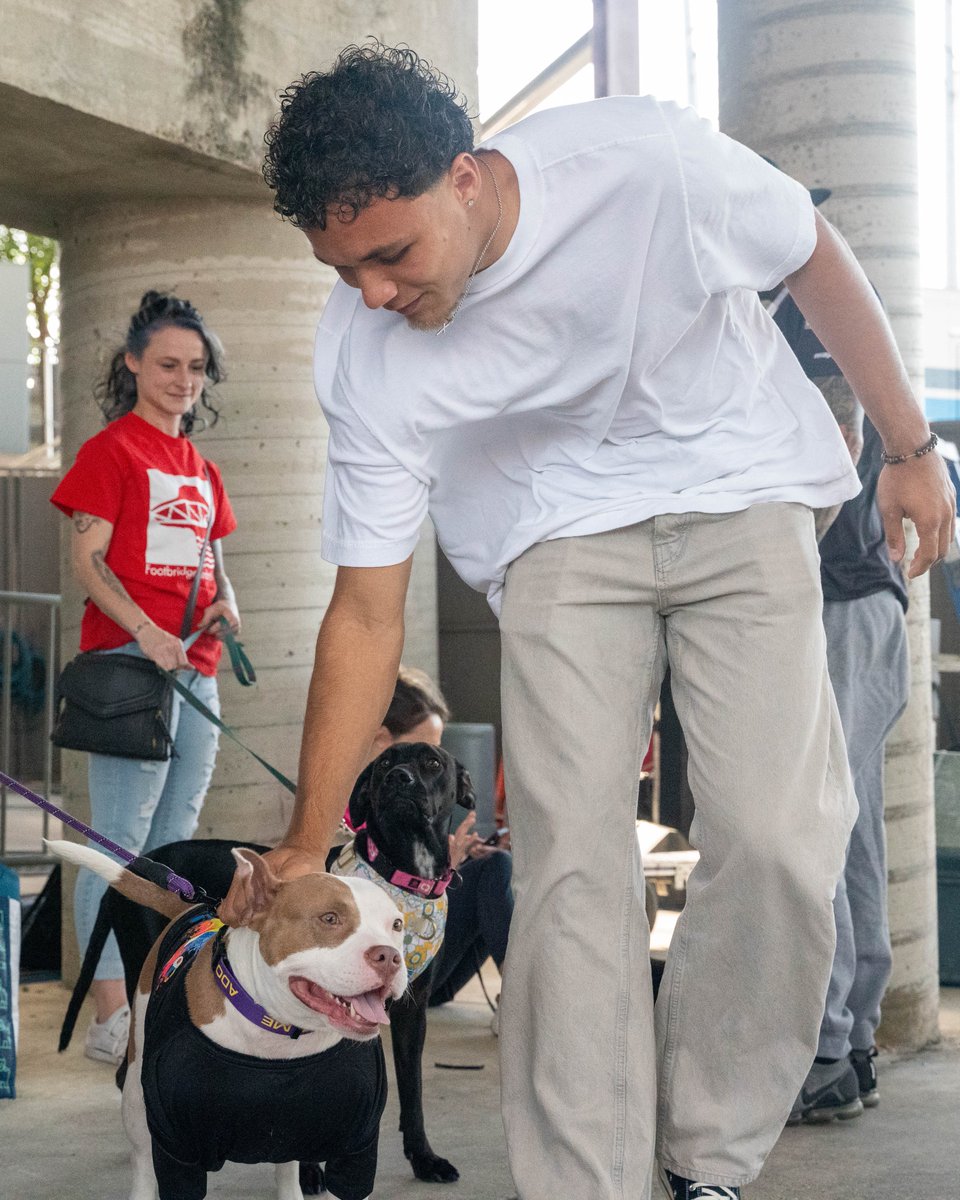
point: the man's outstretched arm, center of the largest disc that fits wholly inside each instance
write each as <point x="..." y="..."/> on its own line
<point x="354" y="676"/>
<point x="840" y="306"/>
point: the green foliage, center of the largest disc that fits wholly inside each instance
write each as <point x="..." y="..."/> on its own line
<point x="41" y="255"/>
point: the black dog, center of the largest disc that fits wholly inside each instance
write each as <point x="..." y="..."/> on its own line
<point x="406" y="797"/>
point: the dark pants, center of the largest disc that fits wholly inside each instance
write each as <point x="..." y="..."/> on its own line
<point x="478" y="922"/>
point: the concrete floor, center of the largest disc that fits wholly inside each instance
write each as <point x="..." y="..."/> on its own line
<point x="62" y="1136"/>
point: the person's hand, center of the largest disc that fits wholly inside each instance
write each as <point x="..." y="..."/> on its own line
<point x="161" y="647"/>
<point x="464" y="842"/>
<point x="211" y="617"/>
<point x="286" y="861"/>
<point x="920" y="489"/>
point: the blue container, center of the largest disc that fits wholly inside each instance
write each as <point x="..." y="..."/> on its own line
<point x="9" y="979"/>
<point x="948" y="915"/>
<point x="475" y="747"/>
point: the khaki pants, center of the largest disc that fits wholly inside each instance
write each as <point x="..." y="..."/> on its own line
<point x="590" y="1096"/>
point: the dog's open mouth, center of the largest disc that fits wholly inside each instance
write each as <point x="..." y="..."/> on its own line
<point x="359" y="1014"/>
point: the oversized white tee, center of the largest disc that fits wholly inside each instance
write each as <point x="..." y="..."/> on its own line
<point x="614" y="364"/>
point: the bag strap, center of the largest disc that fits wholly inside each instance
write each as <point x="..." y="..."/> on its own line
<point x="195" y="586"/>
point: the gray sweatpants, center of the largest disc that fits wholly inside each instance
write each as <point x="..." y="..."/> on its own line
<point x="869" y="668"/>
<point x="733" y="601"/>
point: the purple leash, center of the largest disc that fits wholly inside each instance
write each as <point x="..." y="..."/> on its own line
<point x="141" y="866"/>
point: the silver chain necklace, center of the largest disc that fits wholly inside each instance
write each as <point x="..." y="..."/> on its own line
<point x="486" y="246"/>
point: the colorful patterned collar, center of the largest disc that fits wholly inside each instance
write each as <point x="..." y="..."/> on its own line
<point x="201" y="930"/>
<point x="371" y="853"/>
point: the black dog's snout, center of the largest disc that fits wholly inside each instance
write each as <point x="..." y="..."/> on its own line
<point x="402" y="775"/>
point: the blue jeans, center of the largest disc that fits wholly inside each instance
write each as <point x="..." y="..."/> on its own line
<point x="141" y="804"/>
<point x="869" y="662"/>
<point x="478" y="923"/>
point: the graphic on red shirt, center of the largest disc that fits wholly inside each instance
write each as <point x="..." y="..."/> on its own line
<point x="179" y="509"/>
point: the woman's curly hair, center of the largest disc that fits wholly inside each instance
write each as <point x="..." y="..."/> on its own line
<point x="381" y="122"/>
<point x="117" y="393"/>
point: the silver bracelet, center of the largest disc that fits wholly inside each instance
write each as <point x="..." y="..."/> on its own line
<point x="891" y="460"/>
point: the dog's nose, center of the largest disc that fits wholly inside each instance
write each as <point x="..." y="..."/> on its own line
<point x="402" y="775"/>
<point x="384" y="960"/>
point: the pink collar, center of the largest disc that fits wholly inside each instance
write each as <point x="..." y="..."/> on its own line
<point x="401" y="879"/>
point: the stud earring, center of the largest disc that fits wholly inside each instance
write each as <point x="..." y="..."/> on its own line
<point x="471" y="203"/>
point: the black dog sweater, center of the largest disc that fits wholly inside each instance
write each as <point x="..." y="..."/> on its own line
<point x="207" y="1105"/>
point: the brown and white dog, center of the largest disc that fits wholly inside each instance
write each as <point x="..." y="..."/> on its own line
<point x="235" y="1032"/>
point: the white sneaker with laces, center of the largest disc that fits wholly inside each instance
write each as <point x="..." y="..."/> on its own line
<point x="107" y="1042"/>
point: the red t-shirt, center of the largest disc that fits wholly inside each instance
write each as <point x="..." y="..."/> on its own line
<point x="156" y="492"/>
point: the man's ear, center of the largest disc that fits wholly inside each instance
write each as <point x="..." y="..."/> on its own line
<point x="358" y="809"/>
<point x="252" y="888"/>
<point x="466" y="796"/>
<point x="465" y="177"/>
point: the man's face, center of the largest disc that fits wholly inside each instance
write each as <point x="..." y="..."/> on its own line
<point x="411" y="256"/>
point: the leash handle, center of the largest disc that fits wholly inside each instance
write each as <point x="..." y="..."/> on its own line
<point x="242" y="666"/>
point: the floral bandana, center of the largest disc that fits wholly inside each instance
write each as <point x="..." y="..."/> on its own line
<point x="424" y="921"/>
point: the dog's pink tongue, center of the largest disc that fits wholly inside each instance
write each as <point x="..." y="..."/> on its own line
<point x="369" y="1005"/>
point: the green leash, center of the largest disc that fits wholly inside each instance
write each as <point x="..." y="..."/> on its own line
<point x="243" y="669"/>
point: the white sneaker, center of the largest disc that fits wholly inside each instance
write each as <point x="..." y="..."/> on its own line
<point x="108" y="1042"/>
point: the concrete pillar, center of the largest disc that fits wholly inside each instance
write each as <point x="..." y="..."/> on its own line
<point x="259" y="288"/>
<point x="828" y="92"/>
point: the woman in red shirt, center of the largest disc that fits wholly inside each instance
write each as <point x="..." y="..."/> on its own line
<point x="141" y="498"/>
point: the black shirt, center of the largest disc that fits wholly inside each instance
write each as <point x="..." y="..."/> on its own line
<point x="207" y="1105"/>
<point x="854" y="561"/>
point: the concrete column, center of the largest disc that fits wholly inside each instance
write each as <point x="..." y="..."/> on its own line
<point x="827" y="90"/>
<point x="258" y="287"/>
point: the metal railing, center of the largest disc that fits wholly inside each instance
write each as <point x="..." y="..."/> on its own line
<point x="9" y="603"/>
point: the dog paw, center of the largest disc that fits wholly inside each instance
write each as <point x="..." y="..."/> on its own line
<point x="311" y="1179"/>
<point x="431" y="1168"/>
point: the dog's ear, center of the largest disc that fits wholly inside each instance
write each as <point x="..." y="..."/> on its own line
<point x="466" y="796"/>
<point x="252" y="889"/>
<point x="358" y="809"/>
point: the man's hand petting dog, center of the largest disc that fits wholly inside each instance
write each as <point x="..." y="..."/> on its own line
<point x="287" y="861"/>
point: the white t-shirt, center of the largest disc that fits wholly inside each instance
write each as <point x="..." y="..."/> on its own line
<point x="614" y="364"/>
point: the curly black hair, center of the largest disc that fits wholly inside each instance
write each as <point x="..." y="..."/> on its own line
<point x="117" y="392"/>
<point x="381" y="122"/>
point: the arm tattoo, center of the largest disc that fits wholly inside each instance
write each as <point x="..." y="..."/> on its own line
<point x="842" y="402"/>
<point x="108" y="577"/>
<point x="83" y="521"/>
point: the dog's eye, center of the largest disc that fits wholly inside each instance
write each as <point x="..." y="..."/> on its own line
<point x="432" y="764"/>
<point x="398" y="925"/>
<point x="330" y="918"/>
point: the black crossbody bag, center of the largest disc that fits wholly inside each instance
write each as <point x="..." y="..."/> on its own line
<point x="120" y="704"/>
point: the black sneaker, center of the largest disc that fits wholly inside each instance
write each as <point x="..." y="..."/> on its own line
<point x="831" y="1091"/>
<point x="863" y="1063"/>
<point x="676" y="1188"/>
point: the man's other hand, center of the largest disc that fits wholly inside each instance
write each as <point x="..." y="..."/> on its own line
<point x="920" y="489"/>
